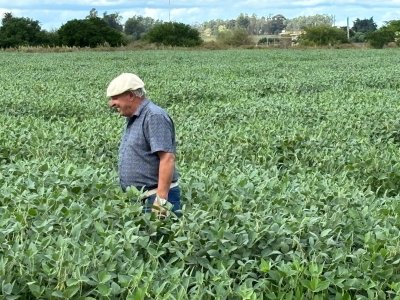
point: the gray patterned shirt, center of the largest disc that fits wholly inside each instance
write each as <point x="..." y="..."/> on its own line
<point x="148" y="131"/>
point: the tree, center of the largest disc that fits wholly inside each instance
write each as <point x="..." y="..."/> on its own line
<point x="302" y="22"/>
<point x="275" y="25"/>
<point x="252" y="28"/>
<point x="243" y="21"/>
<point x="113" y="20"/>
<point x="394" y="26"/>
<point x="137" y="26"/>
<point x="214" y="25"/>
<point x="20" y="32"/>
<point x="378" y="39"/>
<point x="7" y="17"/>
<point x="323" y="35"/>
<point x="364" y="25"/>
<point x="92" y="14"/>
<point x="390" y="32"/>
<point x="252" y="24"/>
<point x="90" y="32"/>
<point x="51" y="38"/>
<point x="174" y="34"/>
<point x="231" y="24"/>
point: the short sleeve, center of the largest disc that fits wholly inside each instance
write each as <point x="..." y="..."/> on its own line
<point x="160" y="133"/>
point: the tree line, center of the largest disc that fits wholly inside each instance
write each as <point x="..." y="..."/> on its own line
<point x="271" y="25"/>
<point x="318" y="30"/>
<point x="95" y="30"/>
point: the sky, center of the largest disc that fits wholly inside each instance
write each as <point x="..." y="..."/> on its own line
<point x="52" y="14"/>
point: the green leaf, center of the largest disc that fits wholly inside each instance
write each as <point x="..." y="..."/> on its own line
<point x="139" y="294"/>
<point x="99" y="227"/>
<point x="44" y="167"/>
<point x="322" y="285"/>
<point x="58" y="294"/>
<point x="72" y="281"/>
<point x="88" y="281"/>
<point x="76" y="189"/>
<point x="104" y="277"/>
<point x="104" y="289"/>
<point x="115" y="288"/>
<point x="71" y="290"/>
<point x="380" y="235"/>
<point x="325" y="232"/>
<point x="35" y="289"/>
<point x="181" y="239"/>
<point x="265" y="266"/>
<point x="7" y="288"/>
<point x="306" y="283"/>
<point x="340" y="296"/>
<point x="32" y="212"/>
<point x="124" y="280"/>
<point x="152" y="251"/>
<point x="76" y="231"/>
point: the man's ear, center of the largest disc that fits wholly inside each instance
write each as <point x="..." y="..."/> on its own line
<point x="133" y="96"/>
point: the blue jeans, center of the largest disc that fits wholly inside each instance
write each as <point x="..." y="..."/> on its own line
<point x="174" y="197"/>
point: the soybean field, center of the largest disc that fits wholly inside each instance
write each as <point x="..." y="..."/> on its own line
<point x="290" y="176"/>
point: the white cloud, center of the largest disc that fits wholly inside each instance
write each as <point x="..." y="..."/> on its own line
<point x="392" y="15"/>
<point x="157" y="14"/>
<point x="183" y="13"/>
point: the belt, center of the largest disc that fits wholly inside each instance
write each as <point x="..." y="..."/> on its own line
<point x="154" y="191"/>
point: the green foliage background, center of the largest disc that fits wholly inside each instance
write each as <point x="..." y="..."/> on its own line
<point x="323" y="35"/>
<point x="236" y="37"/>
<point x="173" y="34"/>
<point x="21" y="32"/>
<point x="290" y="171"/>
<point x="90" y="32"/>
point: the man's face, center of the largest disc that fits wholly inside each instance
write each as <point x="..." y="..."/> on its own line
<point x="124" y="103"/>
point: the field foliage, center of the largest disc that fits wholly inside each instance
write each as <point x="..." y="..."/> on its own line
<point x="290" y="177"/>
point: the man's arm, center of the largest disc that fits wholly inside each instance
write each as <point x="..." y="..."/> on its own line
<point x="165" y="173"/>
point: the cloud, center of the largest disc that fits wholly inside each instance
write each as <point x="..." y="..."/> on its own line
<point x="392" y="15"/>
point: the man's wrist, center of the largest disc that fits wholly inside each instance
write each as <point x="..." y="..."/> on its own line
<point x="162" y="194"/>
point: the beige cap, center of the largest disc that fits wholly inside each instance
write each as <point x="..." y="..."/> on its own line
<point x="123" y="83"/>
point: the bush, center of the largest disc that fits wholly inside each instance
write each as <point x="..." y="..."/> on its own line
<point x="174" y="34"/>
<point x="394" y="26"/>
<point x="90" y="32"/>
<point x="20" y="32"/>
<point x="236" y="37"/>
<point x="358" y="37"/>
<point x="378" y="39"/>
<point x="263" y="41"/>
<point x="323" y="36"/>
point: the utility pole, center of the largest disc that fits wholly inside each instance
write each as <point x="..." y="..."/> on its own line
<point x="348" y="29"/>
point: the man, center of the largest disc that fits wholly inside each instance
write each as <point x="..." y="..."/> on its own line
<point x="148" y="147"/>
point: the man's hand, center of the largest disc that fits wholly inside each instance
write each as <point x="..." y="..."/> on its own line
<point x="159" y="207"/>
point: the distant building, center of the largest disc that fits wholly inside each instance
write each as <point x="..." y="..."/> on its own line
<point x="293" y="35"/>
